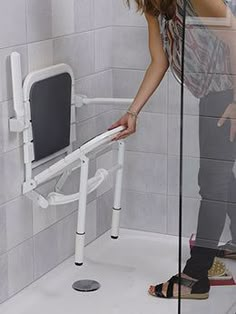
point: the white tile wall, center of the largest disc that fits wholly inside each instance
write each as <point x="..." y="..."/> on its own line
<point x="102" y="87"/>
<point x="126" y="83"/>
<point x="77" y="51"/>
<point x="190" y="104"/>
<point x="104" y="212"/>
<point x="39" y="20"/>
<point x="91" y="222"/>
<point x="19" y="221"/>
<point x="153" y="127"/>
<point x="47" y="32"/>
<point x="11" y="173"/>
<point x="124" y="17"/>
<point x="101" y="6"/>
<point x="12" y="10"/>
<point x="145" y="211"/>
<point x="103" y="49"/>
<point x="20" y="273"/>
<point x="173" y="134"/>
<point x="63" y="17"/>
<point x="44" y="218"/>
<point x="3" y="231"/>
<point x="8" y="140"/>
<point x="130" y="48"/>
<point x="4" y="277"/>
<point x="145" y="172"/>
<point x="105" y="161"/>
<point x="190" y="176"/>
<point x="66" y="230"/>
<point x="40" y="54"/>
<point x="46" y="254"/>
<point x="190" y="135"/>
<point x="190" y="215"/>
<point x="84" y="15"/>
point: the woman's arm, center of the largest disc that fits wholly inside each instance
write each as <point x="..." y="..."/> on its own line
<point x="152" y="78"/>
<point x="157" y="68"/>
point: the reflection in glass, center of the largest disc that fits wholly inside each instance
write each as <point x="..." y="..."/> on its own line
<point x="209" y="70"/>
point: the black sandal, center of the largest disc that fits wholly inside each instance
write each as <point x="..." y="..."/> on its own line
<point x="228" y="250"/>
<point x="198" y="291"/>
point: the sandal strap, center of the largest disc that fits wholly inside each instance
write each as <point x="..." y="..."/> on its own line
<point x="170" y="289"/>
<point x="158" y="291"/>
<point x="183" y="281"/>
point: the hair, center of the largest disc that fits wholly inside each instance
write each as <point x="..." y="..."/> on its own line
<point x="166" y="7"/>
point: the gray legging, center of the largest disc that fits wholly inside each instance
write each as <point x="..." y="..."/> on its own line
<point x="216" y="181"/>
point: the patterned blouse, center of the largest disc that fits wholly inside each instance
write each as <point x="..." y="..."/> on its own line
<point x="206" y="57"/>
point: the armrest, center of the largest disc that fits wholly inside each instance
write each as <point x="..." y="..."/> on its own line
<point x="92" y="144"/>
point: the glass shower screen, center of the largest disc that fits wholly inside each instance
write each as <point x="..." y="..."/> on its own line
<point x="207" y="183"/>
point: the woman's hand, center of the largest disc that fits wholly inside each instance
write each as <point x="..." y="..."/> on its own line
<point x="230" y="113"/>
<point x="129" y="122"/>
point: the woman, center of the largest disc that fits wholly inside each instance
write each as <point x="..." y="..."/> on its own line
<point x="207" y="76"/>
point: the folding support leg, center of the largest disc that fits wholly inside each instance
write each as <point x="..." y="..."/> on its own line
<point x="80" y="234"/>
<point x="62" y="180"/>
<point x="117" y="195"/>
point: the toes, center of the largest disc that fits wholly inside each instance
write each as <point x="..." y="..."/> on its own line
<point x="157" y="291"/>
<point x="151" y="290"/>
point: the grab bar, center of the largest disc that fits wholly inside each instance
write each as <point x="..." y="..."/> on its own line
<point x="81" y="100"/>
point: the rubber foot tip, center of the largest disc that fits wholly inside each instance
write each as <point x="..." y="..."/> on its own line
<point x="78" y="264"/>
<point x="114" y="237"/>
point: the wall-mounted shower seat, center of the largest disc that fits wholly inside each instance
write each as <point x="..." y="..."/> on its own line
<point x="45" y="113"/>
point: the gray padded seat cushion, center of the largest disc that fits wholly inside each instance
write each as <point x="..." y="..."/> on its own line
<point x="50" y="103"/>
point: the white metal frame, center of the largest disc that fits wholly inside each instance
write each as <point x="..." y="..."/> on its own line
<point x="72" y="159"/>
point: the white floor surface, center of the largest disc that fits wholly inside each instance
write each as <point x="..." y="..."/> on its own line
<point x="124" y="268"/>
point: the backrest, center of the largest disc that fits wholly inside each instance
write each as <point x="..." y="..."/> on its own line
<point x="49" y="116"/>
<point x="50" y="106"/>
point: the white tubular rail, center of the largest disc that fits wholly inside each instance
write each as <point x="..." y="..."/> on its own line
<point x="118" y="190"/>
<point x="64" y="163"/>
<point x="17" y="85"/>
<point x="124" y="101"/>
<point x="81" y="100"/>
<point x="17" y="123"/>
<point x="93" y="183"/>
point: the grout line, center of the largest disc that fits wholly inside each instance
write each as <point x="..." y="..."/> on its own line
<point x="94" y="35"/>
<point x="52" y="38"/>
<point x="26" y="33"/>
<point x="128" y="69"/>
<point x="36" y="234"/>
<point x="129" y="26"/>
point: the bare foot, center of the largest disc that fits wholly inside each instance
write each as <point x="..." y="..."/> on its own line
<point x="184" y="290"/>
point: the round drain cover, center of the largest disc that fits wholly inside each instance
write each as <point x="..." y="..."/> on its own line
<point x="86" y="285"/>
